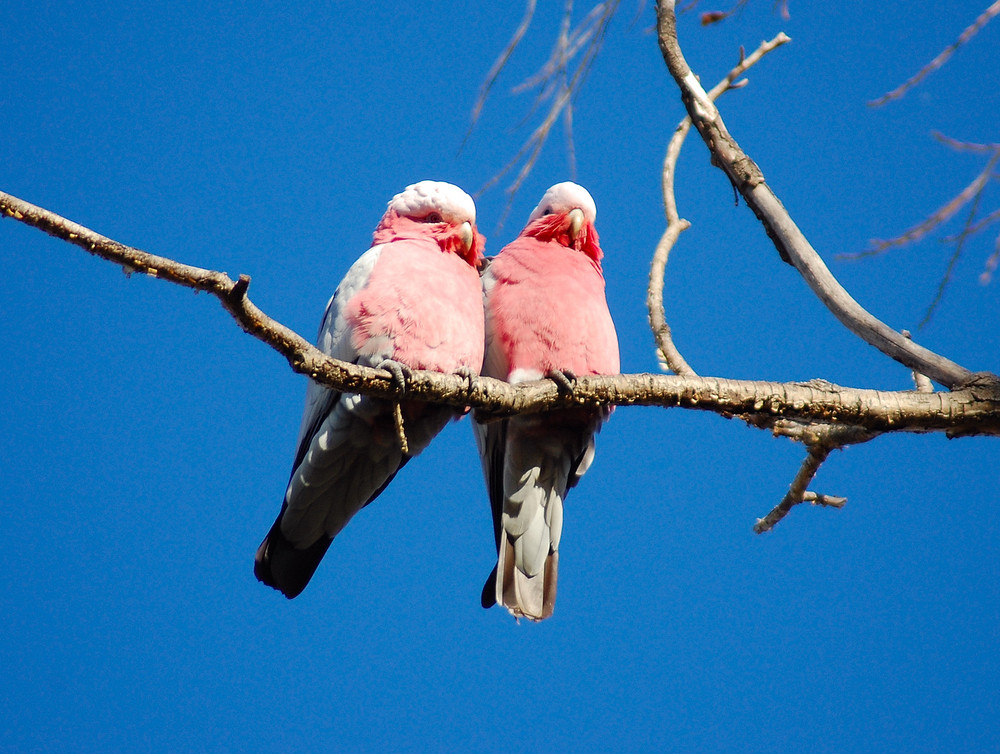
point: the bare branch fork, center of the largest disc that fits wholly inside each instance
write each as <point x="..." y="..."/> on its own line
<point x="793" y="247"/>
<point x="942" y="215"/>
<point x="557" y="83"/>
<point x="668" y="352"/>
<point x="971" y="195"/>
<point x="821" y="441"/>
<point x="790" y="242"/>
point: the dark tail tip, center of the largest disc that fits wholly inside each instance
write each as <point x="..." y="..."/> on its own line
<point x="489" y="596"/>
<point x="281" y="565"/>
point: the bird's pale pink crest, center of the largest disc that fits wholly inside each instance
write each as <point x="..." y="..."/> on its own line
<point x="437" y="210"/>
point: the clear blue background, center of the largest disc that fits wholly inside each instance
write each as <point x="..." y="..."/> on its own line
<point x="146" y="440"/>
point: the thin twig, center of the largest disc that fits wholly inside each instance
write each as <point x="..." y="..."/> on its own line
<point x="972" y="193"/>
<point x="821" y="441"/>
<point x="964" y="146"/>
<point x="825" y="501"/>
<point x="970" y="230"/>
<point x="715" y="16"/>
<point x="949" y="270"/>
<point x="568" y="50"/>
<point x="942" y="215"/>
<point x="667" y="350"/>
<point x="991" y="264"/>
<point x="569" y="42"/>
<point x="557" y="87"/>
<point x="920" y="381"/>
<point x="983" y="19"/>
<point x="796" y="491"/>
<point x="499" y="63"/>
<point x="669" y="355"/>
<point x="779" y="6"/>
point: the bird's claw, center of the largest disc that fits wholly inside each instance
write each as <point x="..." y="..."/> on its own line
<point x="471" y="380"/>
<point x="565" y="380"/>
<point x="401" y="374"/>
<point x="470" y="377"/>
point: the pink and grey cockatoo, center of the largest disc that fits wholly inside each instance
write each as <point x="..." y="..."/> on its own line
<point x="546" y="315"/>
<point x="412" y="301"/>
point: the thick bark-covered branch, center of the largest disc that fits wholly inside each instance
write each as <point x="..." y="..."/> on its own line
<point x="792" y="245"/>
<point x="975" y="410"/>
<point x="970" y="411"/>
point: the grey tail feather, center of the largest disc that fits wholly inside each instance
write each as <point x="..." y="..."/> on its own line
<point x="281" y="565"/>
<point x="551" y="579"/>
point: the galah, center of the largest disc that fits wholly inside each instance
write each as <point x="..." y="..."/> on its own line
<point x="546" y="316"/>
<point x="412" y="301"/>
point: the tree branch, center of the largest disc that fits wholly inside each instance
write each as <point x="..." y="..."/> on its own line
<point x="791" y="244"/>
<point x="675" y="224"/>
<point x="821" y="441"/>
<point x="984" y="18"/>
<point x="921" y="382"/>
<point x="969" y="194"/>
<point x="797" y="492"/>
<point x="974" y="410"/>
<point x="557" y="83"/>
<point x="667" y="351"/>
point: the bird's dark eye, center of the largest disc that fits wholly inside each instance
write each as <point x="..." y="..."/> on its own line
<point x="548" y="211"/>
<point x="433" y="217"/>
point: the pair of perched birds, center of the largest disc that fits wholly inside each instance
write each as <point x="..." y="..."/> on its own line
<point x="415" y="300"/>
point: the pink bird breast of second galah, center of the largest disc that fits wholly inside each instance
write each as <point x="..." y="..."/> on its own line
<point x="547" y="310"/>
<point x="421" y="307"/>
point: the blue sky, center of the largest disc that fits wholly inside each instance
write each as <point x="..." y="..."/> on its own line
<point x="147" y="440"/>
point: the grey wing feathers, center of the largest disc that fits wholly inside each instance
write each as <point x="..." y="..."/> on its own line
<point x="491" y="439"/>
<point x="345" y="461"/>
<point x="297" y="541"/>
<point x="338" y="470"/>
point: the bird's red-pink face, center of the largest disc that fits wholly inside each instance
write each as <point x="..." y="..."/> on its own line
<point x="566" y="215"/>
<point x="439" y="210"/>
<point x="562" y="229"/>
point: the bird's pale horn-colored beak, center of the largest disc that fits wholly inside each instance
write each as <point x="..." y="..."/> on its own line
<point x="576" y="223"/>
<point x="466" y="234"/>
